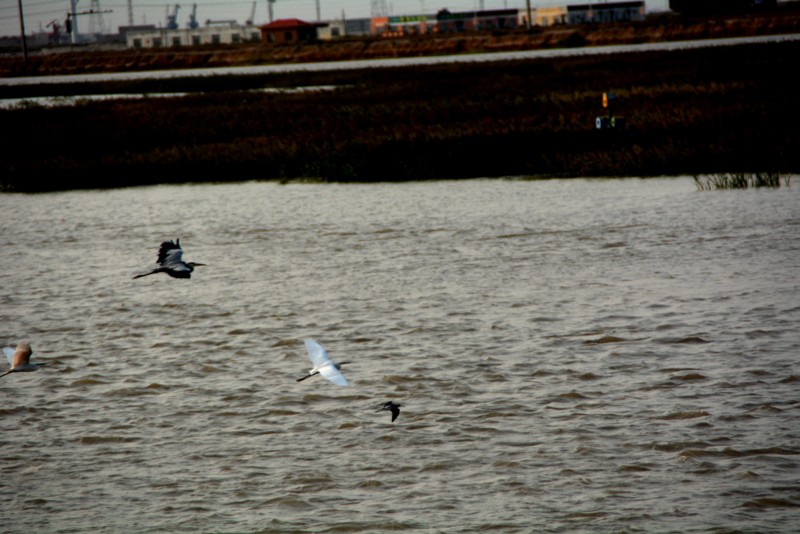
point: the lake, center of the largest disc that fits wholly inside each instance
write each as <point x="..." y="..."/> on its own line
<point x="571" y="356"/>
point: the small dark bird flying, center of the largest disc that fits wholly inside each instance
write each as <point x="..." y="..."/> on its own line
<point x="170" y="261"/>
<point x="389" y="405"/>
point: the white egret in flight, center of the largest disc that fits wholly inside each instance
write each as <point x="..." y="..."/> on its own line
<point x="323" y="365"/>
<point x="170" y="261"/>
<point x="389" y="405"/>
<point x="19" y="359"/>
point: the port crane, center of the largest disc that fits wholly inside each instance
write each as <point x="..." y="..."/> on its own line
<point x="193" y="24"/>
<point x="172" y="20"/>
<point x="55" y="34"/>
<point x="249" y="21"/>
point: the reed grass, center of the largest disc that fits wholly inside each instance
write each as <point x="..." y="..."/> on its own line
<point x="696" y="112"/>
<point x="741" y="181"/>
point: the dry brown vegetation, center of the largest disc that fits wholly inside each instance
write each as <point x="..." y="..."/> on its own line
<point x="728" y="110"/>
<point x="709" y="110"/>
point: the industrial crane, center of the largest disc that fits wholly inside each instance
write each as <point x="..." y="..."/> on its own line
<point x="249" y="21"/>
<point x="55" y="34"/>
<point x="193" y="24"/>
<point x="172" y="20"/>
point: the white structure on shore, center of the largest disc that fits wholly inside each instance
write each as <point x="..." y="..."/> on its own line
<point x="227" y="32"/>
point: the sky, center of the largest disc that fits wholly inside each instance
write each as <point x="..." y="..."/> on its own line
<point x="39" y="13"/>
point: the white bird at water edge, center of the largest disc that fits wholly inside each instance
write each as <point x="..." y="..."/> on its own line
<point x="19" y="359"/>
<point x="170" y="261"/>
<point x="323" y="365"/>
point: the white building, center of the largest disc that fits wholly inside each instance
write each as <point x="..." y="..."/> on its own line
<point x="345" y="28"/>
<point x="604" y="13"/>
<point x="226" y="33"/>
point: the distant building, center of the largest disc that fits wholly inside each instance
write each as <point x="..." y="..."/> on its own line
<point x="290" y="31"/>
<point x="549" y="16"/>
<point x="334" y="30"/>
<point x="228" y="33"/>
<point x="605" y="13"/>
<point x="402" y="25"/>
<point x="124" y="31"/>
<point x="344" y="28"/>
<point x="509" y="19"/>
<point x="445" y="21"/>
<point x="498" y="19"/>
<point x="705" y="7"/>
<point x="357" y="26"/>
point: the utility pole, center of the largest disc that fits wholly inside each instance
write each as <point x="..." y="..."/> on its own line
<point x="96" y="24"/>
<point x="528" y="4"/>
<point x="73" y="29"/>
<point x="379" y="8"/>
<point x="319" y="18"/>
<point x="22" y="31"/>
<point x="72" y="19"/>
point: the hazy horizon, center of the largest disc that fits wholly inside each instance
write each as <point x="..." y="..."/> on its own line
<point x="40" y="13"/>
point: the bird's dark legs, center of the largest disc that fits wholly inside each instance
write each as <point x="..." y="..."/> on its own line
<point x="147" y="274"/>
<point x="307" y="376"/>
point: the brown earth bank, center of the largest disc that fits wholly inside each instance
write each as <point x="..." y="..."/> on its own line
<point x="656" y="28"/>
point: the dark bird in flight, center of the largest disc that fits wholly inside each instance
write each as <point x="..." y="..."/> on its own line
<point x="170" y="261"/>
<point x="20" y="359"/>
<point x="389" y="405"/>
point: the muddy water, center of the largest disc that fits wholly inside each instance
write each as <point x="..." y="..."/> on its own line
<point x="571" y="356"/>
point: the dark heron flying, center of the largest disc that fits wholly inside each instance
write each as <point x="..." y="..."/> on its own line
<point x="323" y="365"/>
<point x="389" y="405"/>
<point x="170" y="261"/>
<point x="20" y="359"/>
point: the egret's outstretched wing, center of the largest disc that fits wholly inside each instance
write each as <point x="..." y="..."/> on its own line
<point x="317" y="353"/>
<point x="9" y="352"/>
<point x="333" y="374"/>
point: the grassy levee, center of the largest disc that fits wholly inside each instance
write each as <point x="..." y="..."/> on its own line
<point x="713" y="110"/>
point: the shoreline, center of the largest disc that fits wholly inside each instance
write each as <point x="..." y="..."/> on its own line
<point x="357" y="64"/>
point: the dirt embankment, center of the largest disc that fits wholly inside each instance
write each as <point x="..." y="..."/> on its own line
<point x="654" y="29"/>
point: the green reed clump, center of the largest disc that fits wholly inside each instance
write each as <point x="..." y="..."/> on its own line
<point x="740" y="180"/>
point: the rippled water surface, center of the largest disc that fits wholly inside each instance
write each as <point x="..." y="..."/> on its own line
<point x="571" y="356"/>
